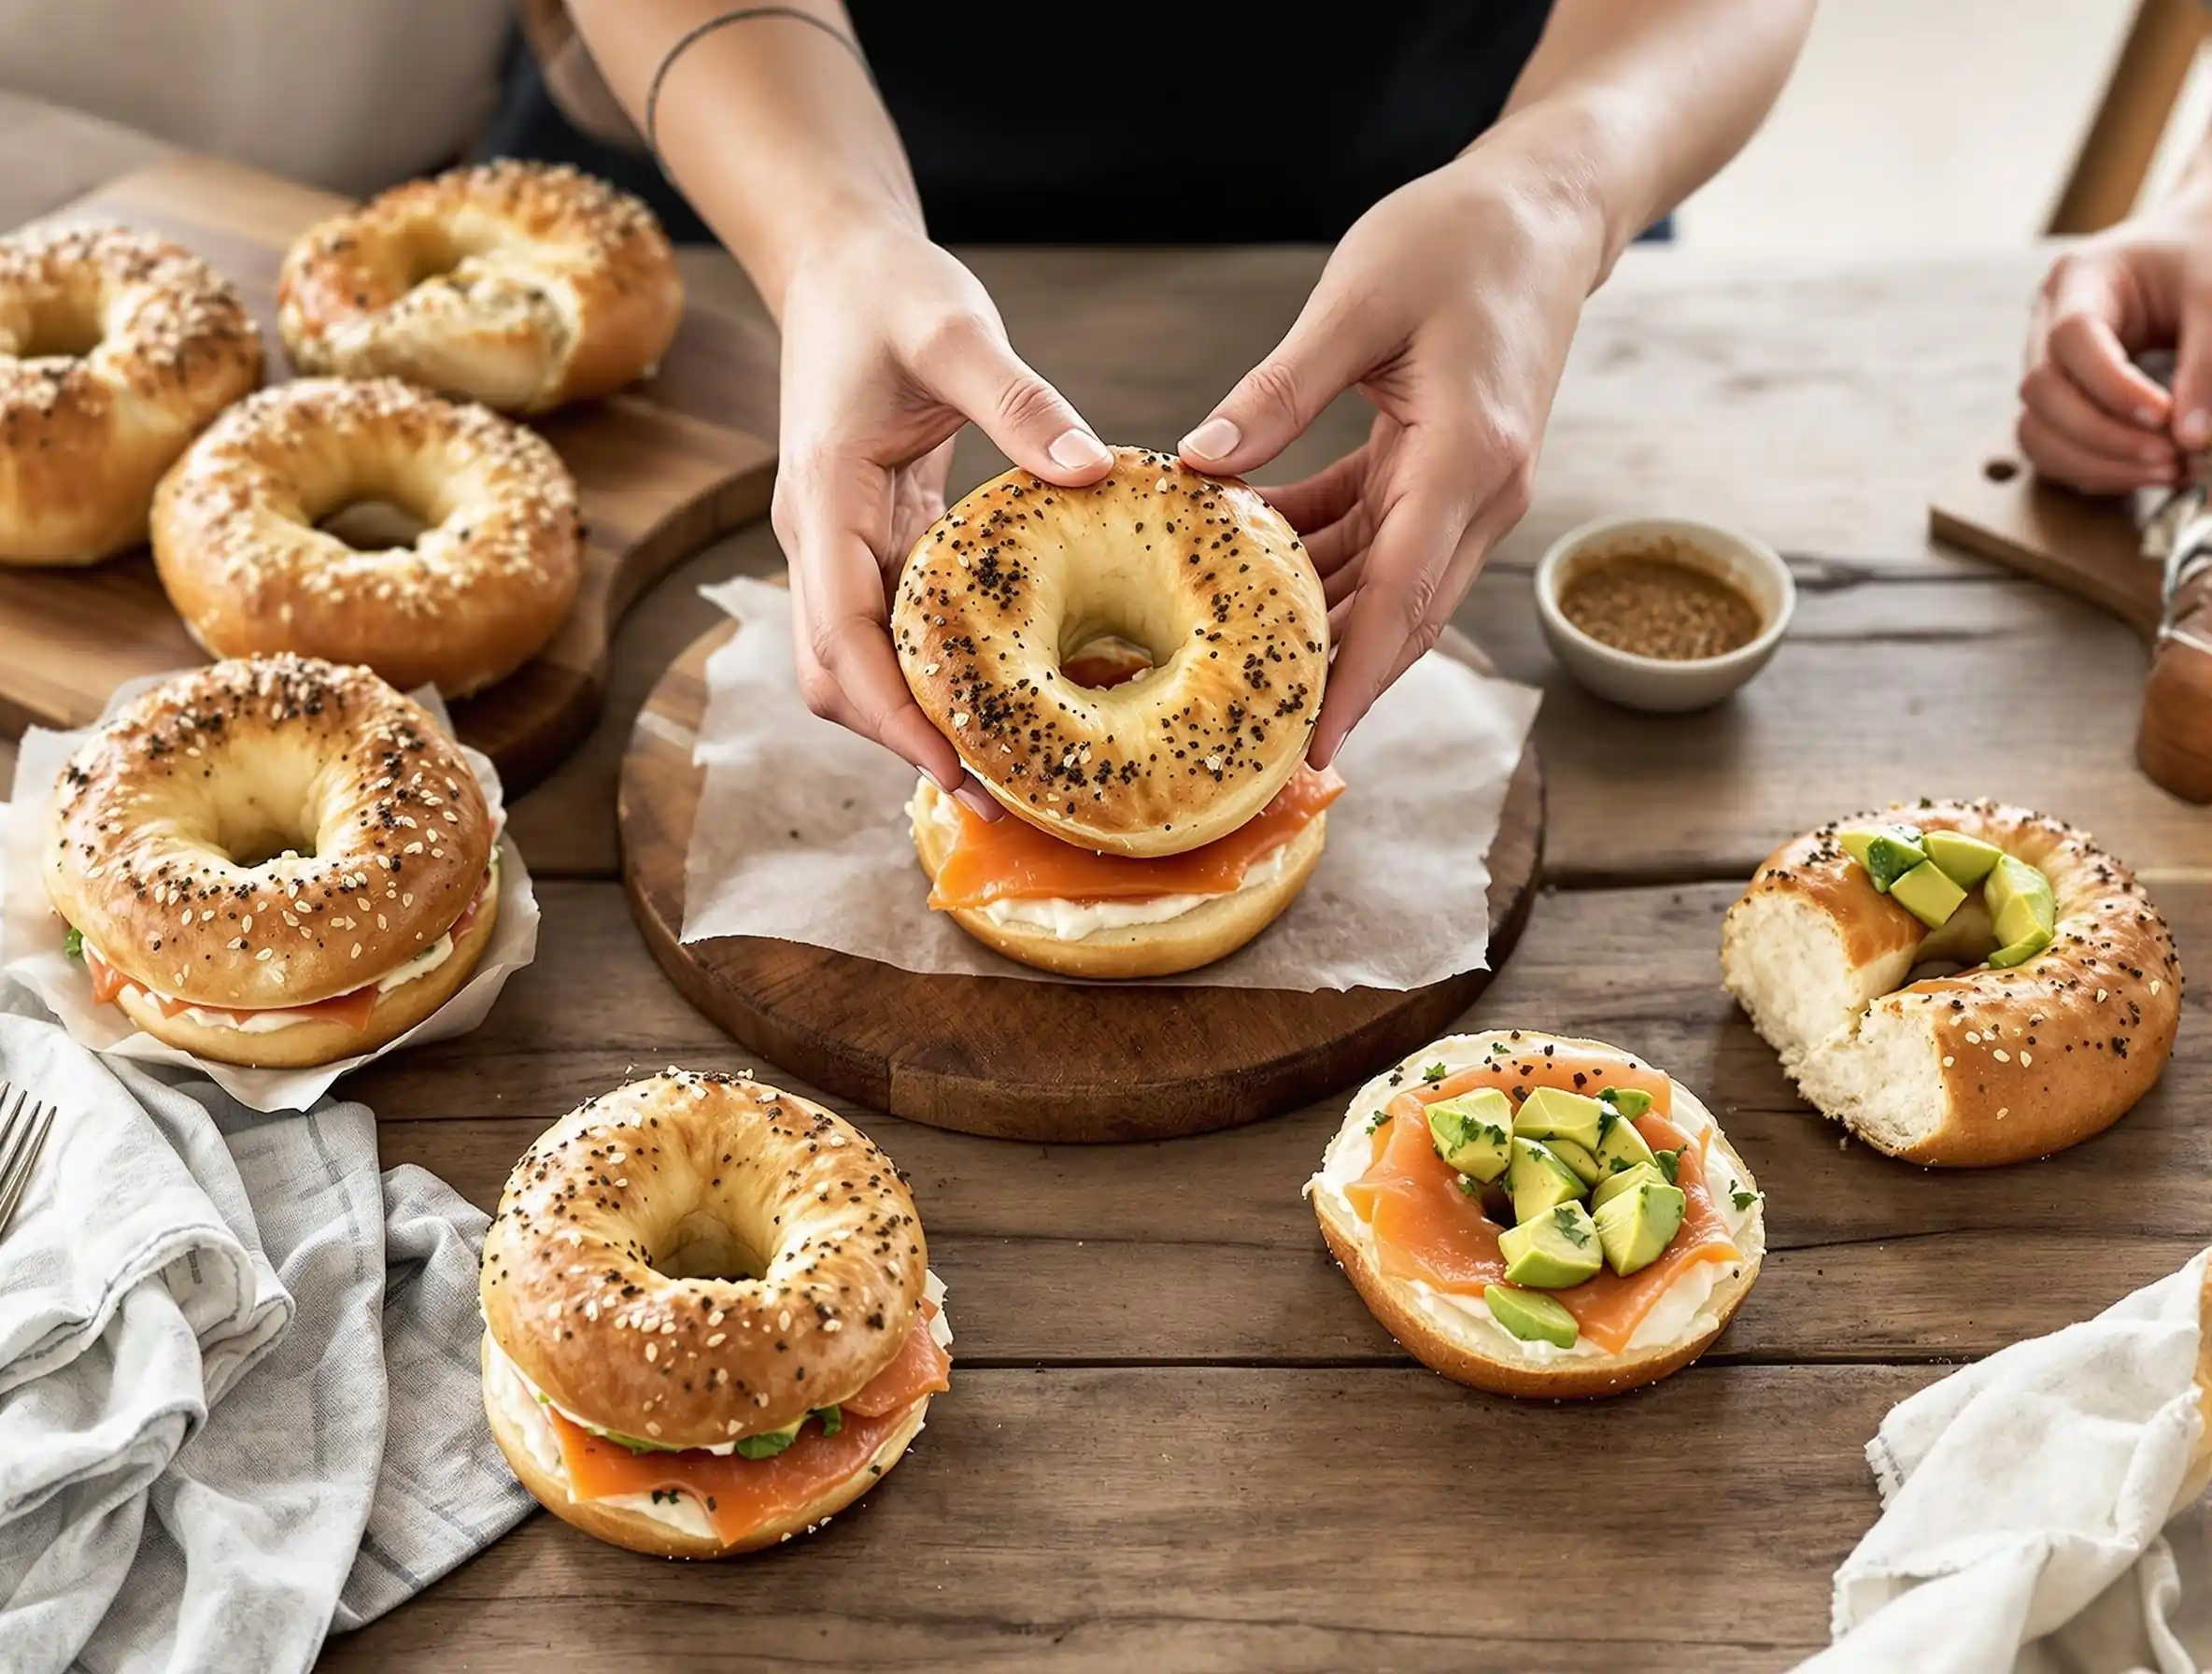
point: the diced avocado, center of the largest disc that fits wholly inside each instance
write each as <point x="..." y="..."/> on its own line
<point x="1629" y="1101"/>
<point x="1555" y="1250"/>
<point x="1583" y="1164"/>
<point x="1612" y="1186"/>
<point x="1549" y="1114"/>
<point x="2021" y="952"/>
<point x="2019" y="901"/>
<point x="1928" y="894"/>
<point x="73" y="944"/>
<point x="1965" y="861"/>
<point x="1531" y="1316"/>
<point x="769" y="1443"/>
<point x="1538" y="1180"/>
<point x="1887" y="851"/>
<point x="1620" y="1147"/>
<point x="1635" y="1226"/>
<point x="1474" y="1132"/>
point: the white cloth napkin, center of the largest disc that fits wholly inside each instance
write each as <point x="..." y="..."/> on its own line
<point x="238" y="1385"/>
<point x="2024" y="1499"/>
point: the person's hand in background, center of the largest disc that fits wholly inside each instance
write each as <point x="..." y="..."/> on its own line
<point x="2090" y="417"/>
<point x="891" y="345"/>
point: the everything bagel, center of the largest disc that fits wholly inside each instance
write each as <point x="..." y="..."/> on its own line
<point x="275" y="861"/>
<point x="1202" y="573"/>
<point x="1983" y="1064"/>
<point x="522" y="285"/>
<point x="710" y="1317"/>
<point x="479" y="591"/>
<point x="115" y="350"/>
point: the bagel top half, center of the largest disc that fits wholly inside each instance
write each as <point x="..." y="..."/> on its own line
<point x="1201" y="573"/>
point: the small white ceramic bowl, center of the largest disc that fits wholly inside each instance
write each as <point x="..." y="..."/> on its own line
<point x="1753" y="567"/>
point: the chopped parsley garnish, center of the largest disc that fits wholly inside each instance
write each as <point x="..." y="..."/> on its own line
<point x="1433" y="1074"/>
<point x="1669" y="1162"/>
<point x="1743" y="1198"/>
<point x="1377" y="1120"/>
<point x="775" y="1441"/>
<point x="73" y="944"/>
<point x="1471" y="1185"/>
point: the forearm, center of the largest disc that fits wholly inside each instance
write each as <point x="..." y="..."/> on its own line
<point x="1628" y="105"/>
<point x="773" y="128"/>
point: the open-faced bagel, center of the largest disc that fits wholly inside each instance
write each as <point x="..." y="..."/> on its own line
<point x="1453" y="1330"/>
<point x="1200" y="573"/>
<point x="522" y="285"/>
<point x="115" y="350"/>
<point x="1977" y="1066"/>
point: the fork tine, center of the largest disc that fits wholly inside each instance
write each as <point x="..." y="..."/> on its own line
<point x="16" y="1176"/>
<point x="15" y="1126"/>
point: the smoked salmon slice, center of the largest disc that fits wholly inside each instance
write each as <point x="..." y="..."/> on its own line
<point x="1012" y="860"/>
<point x="740" y="1494"/>
<point x="1426" y="1228"/>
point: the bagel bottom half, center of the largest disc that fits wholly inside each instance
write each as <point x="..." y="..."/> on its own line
<point x="637" y="1532"/>
<point x="1210" y="930"/>
<point x="322" y="1040"/>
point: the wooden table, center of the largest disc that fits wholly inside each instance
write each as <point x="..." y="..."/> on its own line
<point x="1176" y="1439"/>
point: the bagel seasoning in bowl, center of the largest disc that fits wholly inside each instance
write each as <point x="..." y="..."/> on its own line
<point x="1692" y="610"/>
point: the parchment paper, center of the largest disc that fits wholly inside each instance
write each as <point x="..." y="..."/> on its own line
<point x="32" y="932"/>
<point x="802" y="834"/>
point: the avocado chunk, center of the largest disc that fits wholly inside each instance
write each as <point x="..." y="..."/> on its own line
<point x="1629" y="1101"/>
<point x="768" y="1443"/>
<point x="1584" y="1165"/>
<point x="1530" y="1316"/>
<point x="1619" y="1146"/>
<point x="2020" y="901"/>
<point x="1557" y="1249"/>
<point x="1928" y="894"/>
<point x="2021" y="952"/>
<point x="1636" y="1224"/>
<point x="1965" y="861"/>
<point x="1887" y="851"/>
<point x="1549" y="1114"/>
<point x="1612" y="1186"/>
<point x="1538" y="1180"/>
<point x="1474" y="1132"/>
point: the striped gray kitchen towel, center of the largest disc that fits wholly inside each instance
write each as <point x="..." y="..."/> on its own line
<point x="239" y="1381"/>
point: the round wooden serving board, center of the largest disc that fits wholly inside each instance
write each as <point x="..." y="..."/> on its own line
<point x="662" y="468"/>
<point x="1007" y="1057"/>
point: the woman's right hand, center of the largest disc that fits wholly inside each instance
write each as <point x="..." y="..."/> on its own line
<point x="889" y="346"/>
<point x="2090" y="417"/>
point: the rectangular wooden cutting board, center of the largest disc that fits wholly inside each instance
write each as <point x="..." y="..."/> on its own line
<point x="662" y="469"/>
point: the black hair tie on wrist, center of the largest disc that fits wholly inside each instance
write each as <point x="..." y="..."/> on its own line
<point x="742" y="15"/>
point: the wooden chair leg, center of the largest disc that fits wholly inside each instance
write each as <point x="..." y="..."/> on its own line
<point x="2115" y="154"/>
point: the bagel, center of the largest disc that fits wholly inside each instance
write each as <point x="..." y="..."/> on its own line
<point x="1980" y="1066"/>
<point x="709" y="1316"/>
<point x="275" y="862"/>
<point x="522" y="285"/>
<point x="115" y="350"/>
<point x="478" y="593"/>
<point x="1201" y="573"/>
<point x="1427" y="1282"/>
<point x="1155" y="935"/>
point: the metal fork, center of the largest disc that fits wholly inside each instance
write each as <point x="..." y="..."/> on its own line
<point x="24" y="1123"/>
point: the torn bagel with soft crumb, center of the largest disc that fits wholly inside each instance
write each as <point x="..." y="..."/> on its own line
<point x="275" y="862"/>
<point x="1959" y="983"/>
<point x="1541" y="1215"/>
<point x="710" y="1320"/>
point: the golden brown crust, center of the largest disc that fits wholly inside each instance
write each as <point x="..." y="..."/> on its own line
<point x="573" y="1297"/>
<point x="84" y="437"/>
<point x="522" y="285"/>
<point x="2036" y="1058"/>
<point x="637" y="1532"/>
<point x="482" y="589"/>
<point x="392" y="847"/>
<point x="1199" y="937"/>
<point x="303" y="1045"/>
<point x="1202" y="571"/>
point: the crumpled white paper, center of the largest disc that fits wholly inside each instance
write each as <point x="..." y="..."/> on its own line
<point x="802" y="834"/>
<point x="32" y="932"/>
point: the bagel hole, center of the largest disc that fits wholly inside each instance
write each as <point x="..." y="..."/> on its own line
<point x="372" y="525"/>
<point x="1101" y="660"/>
<point x="63" y="326"/>
<point x="252" y="835"/>
<point x="704" y="1246"/>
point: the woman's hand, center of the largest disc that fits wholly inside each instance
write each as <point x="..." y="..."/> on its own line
<point x="889" y="346"/>
<point x="1450" y="305"/>
<point x="2089" y="415"/>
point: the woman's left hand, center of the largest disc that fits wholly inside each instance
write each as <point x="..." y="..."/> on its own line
<point x="1450" y="306"/>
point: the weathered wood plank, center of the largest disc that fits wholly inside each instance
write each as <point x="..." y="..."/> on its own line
<point x="1235" y="1519"/>
<point x="1202" y="1250"/>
